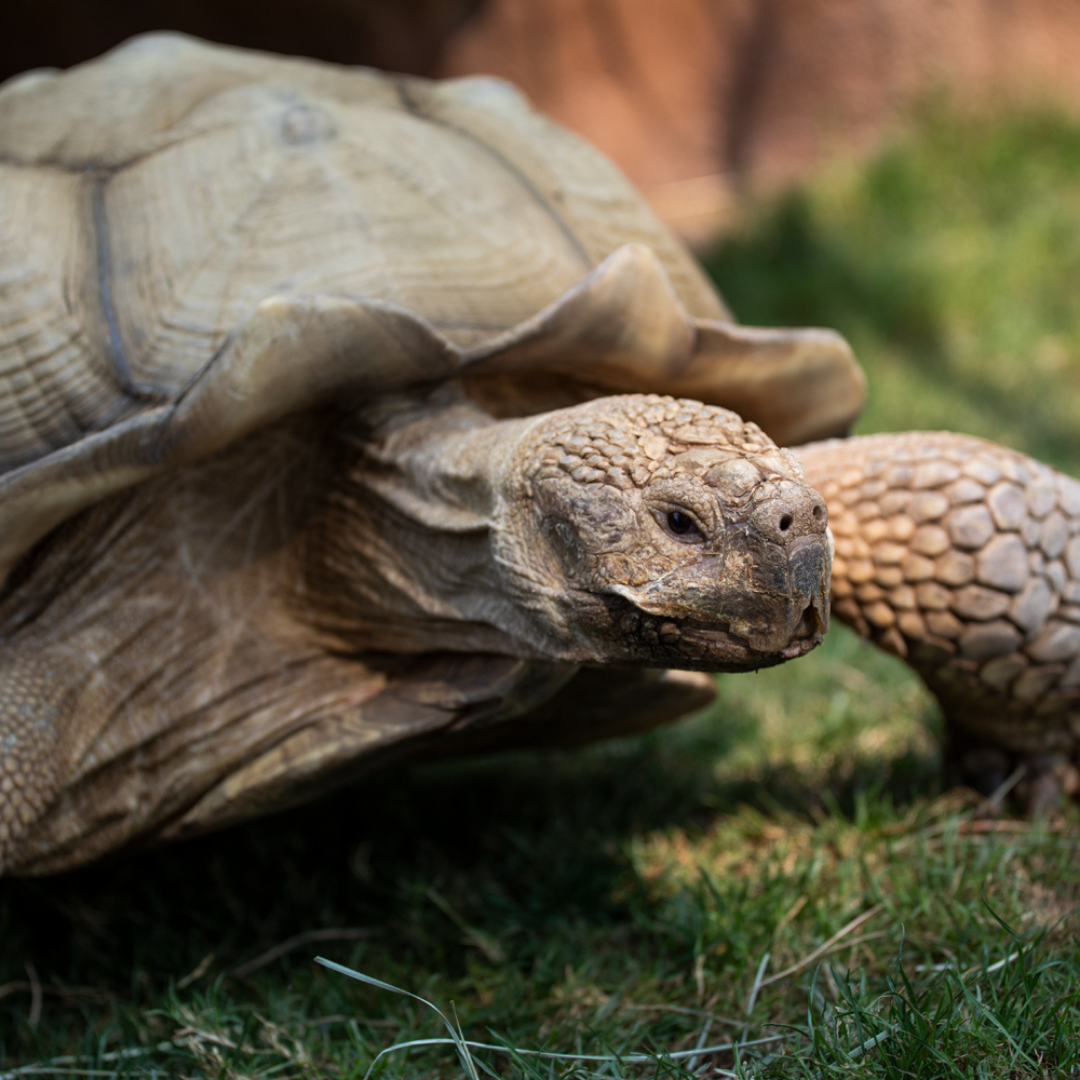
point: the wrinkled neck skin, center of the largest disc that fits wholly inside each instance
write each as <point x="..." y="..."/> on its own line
<point x="635" y="529"/>
<point x="417" y="552"/>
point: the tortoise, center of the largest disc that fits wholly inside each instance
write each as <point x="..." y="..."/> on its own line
<point x="350" y="418"/>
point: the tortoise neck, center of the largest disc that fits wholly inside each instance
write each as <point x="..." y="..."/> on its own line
<point x="406" y="555"/>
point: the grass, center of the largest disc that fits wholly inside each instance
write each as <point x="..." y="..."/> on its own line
<point x="948" y="263"/>
<point x="785" y="867"/>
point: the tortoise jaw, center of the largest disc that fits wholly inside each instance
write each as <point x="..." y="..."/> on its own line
<point x="809" y="632"/>
<point x="747" y="608"/>
<point x="705" y="643"/>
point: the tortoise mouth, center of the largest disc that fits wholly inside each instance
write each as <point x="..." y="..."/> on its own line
<point x="809" y="633"/>
<point x="697" y="645"/>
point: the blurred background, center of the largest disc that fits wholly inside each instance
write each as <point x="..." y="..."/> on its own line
<point x="903" y="170"/>
<point x="697" y="100"/>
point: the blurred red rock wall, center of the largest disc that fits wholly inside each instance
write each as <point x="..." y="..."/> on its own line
<point x="697" y="99"/>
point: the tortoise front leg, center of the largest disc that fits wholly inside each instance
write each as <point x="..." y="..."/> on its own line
<point x="963" y="558"/>
<point x="30" y="761"/>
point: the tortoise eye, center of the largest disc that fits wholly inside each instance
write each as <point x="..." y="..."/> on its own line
<point x="683" y="525"/>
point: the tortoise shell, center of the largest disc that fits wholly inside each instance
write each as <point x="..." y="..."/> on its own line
<point x="196" y="241"/>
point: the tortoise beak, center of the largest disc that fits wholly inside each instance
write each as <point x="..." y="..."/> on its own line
<point x="810" y="565"/>
<point x="774" y="598"/>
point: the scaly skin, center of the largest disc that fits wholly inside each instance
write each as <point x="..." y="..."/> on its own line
<point x="963" y="558"/>
<point x="30" y="773"/>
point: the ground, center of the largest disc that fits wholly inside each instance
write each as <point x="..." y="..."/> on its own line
<point x="784" y="868"/>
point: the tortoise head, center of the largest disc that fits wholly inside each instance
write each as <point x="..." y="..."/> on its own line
<point x="666" y="532"/>
<point x="634" y="529"/>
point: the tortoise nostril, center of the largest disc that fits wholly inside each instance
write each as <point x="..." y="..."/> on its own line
<point x="786" y="511"/>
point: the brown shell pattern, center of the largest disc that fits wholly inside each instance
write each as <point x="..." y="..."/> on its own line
<point x="143" y="218"/>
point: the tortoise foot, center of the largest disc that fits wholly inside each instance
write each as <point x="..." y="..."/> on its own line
<point x="1050" y="780"/>
<point x="1038" y="784"/>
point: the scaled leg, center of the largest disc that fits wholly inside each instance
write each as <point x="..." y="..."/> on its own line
<point x="963" y="558"/>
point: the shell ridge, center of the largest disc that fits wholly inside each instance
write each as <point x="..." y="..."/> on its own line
<point x="623" y="314"/>
<point x="38" y="496"/>
<point x="797" y="384"/>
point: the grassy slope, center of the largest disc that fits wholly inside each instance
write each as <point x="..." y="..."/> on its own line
<point x="632" y="897"/>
